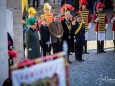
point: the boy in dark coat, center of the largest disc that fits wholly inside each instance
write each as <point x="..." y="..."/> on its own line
<point x="79" y="32"/>
<point x="44" y="32"/>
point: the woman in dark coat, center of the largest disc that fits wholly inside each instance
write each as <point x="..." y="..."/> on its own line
<point x="33" y="45"/>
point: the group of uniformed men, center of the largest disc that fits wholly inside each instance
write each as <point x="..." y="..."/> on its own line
<point x="74" y="31"/>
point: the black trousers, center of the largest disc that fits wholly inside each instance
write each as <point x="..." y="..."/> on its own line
<point x="35" y="3"/>
<point x="78" y="52"/>
<point x="45" y="48"/>
<point x="56" y="47"/>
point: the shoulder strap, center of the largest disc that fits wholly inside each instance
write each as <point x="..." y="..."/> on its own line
<point x="77" y="30"/>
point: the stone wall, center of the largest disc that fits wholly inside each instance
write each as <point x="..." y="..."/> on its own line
<point x="3" y="43"/>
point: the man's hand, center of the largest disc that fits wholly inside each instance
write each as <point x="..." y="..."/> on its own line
<point x="11" y="47"/>
<point x="96" y="20"/>
<point x="106" y="26"/>
<point x="59" y="36"/>
<point x="30" y="49"/>
<point x="89" y="25"/>
<point x="48" y="42"/>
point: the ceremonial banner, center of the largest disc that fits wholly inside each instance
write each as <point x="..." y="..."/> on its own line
<point x="51" y="73"/>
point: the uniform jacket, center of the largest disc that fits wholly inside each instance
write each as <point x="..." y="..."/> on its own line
<point x="49" y="18"/>
<point x="80" y="36"/>
<point x="68" y="33"/>
<point x="94" y="17"/>
<point x="32" y="41"/>
<point x="54" y="31"/>
<point x="88" y="19"/>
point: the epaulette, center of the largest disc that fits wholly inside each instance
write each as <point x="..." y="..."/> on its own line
<point x="42" y="15"/>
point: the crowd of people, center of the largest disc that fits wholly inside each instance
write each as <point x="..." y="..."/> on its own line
<point x="41" y="37"/>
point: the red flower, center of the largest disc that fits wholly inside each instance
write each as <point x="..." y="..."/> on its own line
<point x="12" y="53"/>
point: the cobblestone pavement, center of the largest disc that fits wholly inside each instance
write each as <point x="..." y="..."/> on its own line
<point x="89" y="72"/>
<point x="97" y="69"/>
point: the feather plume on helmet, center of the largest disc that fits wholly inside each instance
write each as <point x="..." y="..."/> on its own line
<point x="31" y="12"/>
<point x="99" y="5"/>
<point x="47" y="7"/>
<point x="83" y="2"/>
<point x="66" y="7"/>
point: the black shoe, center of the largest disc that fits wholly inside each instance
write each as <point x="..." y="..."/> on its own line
<point x="86" y="53"/>
<point x="103" y="51"/>
<point x="81" y="60"/>
<point x="99" y="51"/>
<point x="70" y="54"/>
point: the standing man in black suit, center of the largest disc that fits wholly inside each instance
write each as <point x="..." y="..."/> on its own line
<point x="79" y="32"/>
<point x="68" y="35"/>
<point x="44" y="32"/>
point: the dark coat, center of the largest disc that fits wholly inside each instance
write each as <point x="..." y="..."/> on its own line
<point x="67" y="33"/>
<point x="25" y="28"/>
<point x="55" y="31"/>
<point x="80" y="36"/>
<point x="44" y="32"/>
<point x="32" y="41"/>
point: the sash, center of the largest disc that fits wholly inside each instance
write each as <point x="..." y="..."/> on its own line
<point x="76" y="32"/>
<point x="68" y="26"/>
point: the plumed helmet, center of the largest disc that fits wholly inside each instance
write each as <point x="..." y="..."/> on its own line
<point x="47" y="6"/>
<point x="66" y="7"/>
<point x="31" y="10"/>
<point x="99" y="4"/>
<point x="83" y="2"/>
<point x="31" y="21"/>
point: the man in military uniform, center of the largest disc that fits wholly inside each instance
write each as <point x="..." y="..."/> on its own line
<point x="86" y="18"/>
<point x="79" y="32"/>
<point x="100" y="19"/>
<point x="68" y="31"/>
<point x="112" y="19"/>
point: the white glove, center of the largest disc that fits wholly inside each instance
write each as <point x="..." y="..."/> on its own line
<point x="48" y="43"/>
<point x="113" y="19"/>
<point x="11" y="47"/>
<point x="89" y="25"/>
<point x="96" y="20"/>
<point x="106" y="26"/>
<point x="30" y="49"/>
<point x="74" y="40"/>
